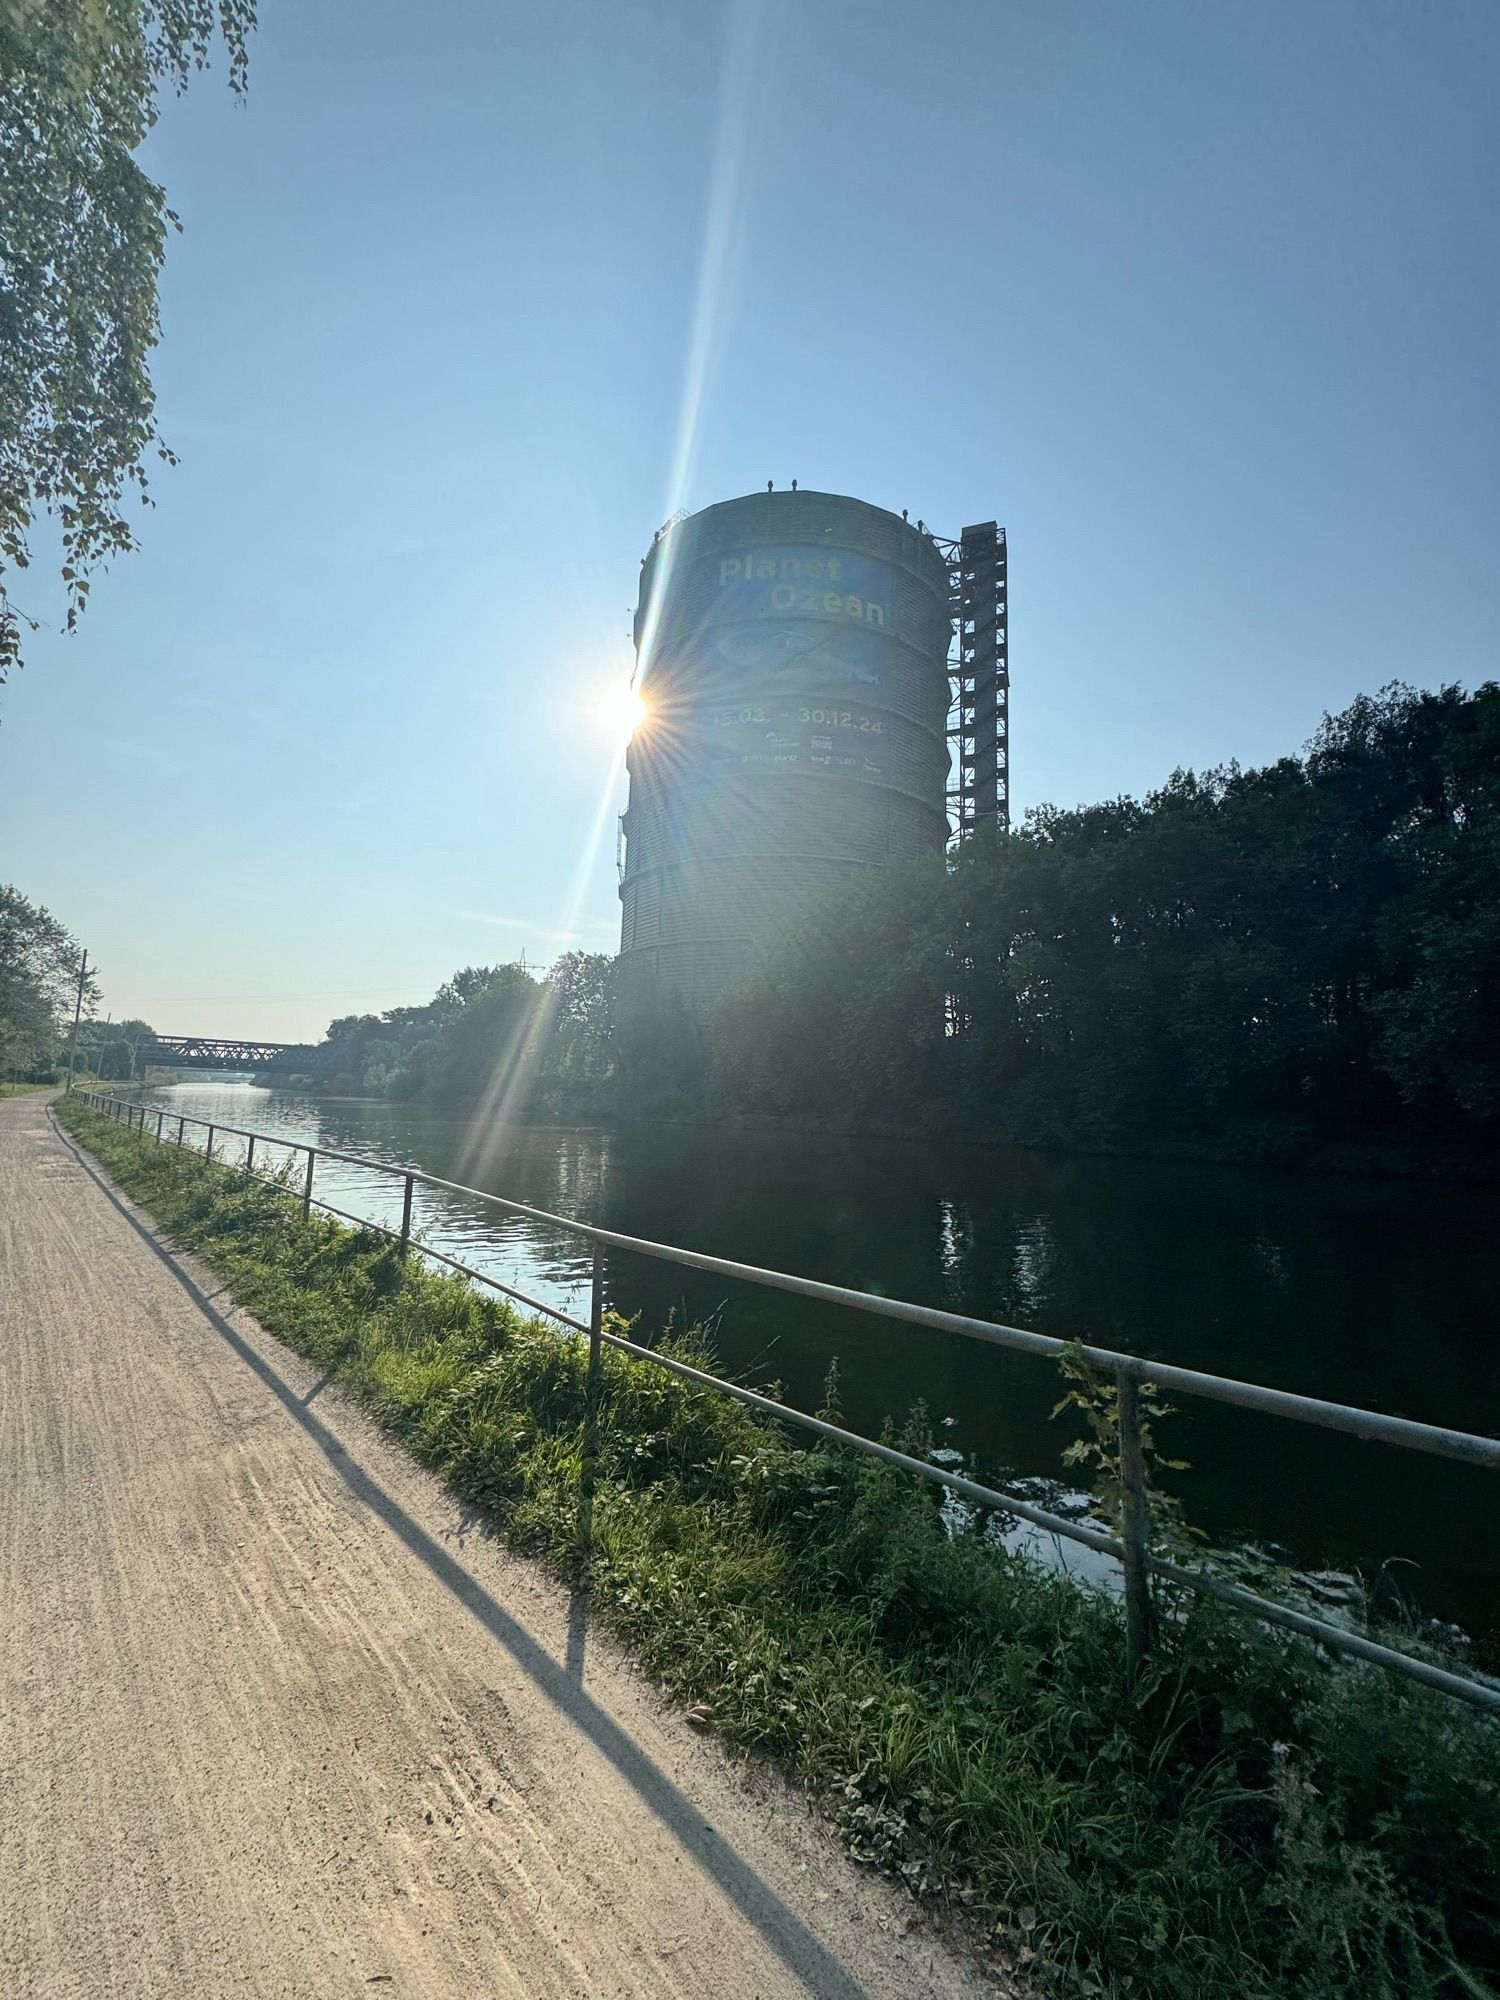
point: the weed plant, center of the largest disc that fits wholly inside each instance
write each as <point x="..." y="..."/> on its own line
<point x="1257" y="1820"/>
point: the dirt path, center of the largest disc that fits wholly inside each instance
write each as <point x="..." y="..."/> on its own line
<point x="274" y="1722"/>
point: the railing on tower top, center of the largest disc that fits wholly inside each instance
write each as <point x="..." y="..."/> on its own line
<point x="1131" y="1548"/>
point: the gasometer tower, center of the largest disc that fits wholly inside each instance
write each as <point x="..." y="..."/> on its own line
<point x="806" y="661"/>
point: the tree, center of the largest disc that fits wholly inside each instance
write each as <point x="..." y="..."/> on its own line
<point x="39" y="964"/>
<point x="485" y="1027"/>
<point x="490" y="1045"/>
<point x="469" y="984"/>
<point x="82" y="237"/>
<point x="578" y="1052"/>
<point x="111" y="1049"/>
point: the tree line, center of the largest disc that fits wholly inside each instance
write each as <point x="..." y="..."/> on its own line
<point x="546" y="1044"/>
<point x="1266" y="960"/>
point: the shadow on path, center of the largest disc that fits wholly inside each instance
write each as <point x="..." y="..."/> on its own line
<point x="786" y="1934"/>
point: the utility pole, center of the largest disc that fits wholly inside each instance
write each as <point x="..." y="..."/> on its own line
<point x="83" y="973"/>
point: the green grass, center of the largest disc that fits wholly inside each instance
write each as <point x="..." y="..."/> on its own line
<point x="1258" y="1821"/>
<point x="23" y="1089"/>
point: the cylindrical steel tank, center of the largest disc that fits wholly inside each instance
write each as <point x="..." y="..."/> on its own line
<point x="793" y="656"/>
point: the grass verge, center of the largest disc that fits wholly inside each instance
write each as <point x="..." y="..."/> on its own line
<point x="1256" y="1821"/>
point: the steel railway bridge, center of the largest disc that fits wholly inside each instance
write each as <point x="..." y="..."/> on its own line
<point x="219" y="1052"/>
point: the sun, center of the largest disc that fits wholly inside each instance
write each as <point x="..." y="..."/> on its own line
<point x="621" y="711"/>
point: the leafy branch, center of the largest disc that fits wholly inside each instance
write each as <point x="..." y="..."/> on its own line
<point x="82" y="239"/>
<point x="1096" y="1397"/>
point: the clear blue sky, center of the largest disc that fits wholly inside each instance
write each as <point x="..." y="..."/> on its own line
<point x="1200" y="301"/>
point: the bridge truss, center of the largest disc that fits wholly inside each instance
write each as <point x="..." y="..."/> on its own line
<point x="217" y="1052"/>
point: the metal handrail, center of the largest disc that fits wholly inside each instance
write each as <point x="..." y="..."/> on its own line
<point x="1130" y="1372"/>
<point x="1467" y="1447"/>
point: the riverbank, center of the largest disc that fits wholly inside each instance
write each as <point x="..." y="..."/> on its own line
<point x="1274" y="1145"/>
<point x="1274" y="1149"/>
<point x="1259" y="1822"/>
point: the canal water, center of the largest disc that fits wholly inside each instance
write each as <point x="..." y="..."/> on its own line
<point x="1379" y="1293"/>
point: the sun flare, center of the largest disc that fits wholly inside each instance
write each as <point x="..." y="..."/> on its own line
<point x="621" y="711"/>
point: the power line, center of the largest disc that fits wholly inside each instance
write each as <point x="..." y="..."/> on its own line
<point x="192" y="999"/>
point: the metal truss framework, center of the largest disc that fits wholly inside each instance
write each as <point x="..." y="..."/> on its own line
<point x="979" y="668"/>
<point x="215" y="1052"/>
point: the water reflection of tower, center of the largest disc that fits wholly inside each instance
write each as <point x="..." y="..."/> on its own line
<point x="806" y="660"/>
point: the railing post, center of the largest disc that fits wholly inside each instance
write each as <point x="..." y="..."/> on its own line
<point x="591" y="1411"/>
<point x="250" y="1154"/>
<point x="596" y="1316"/>
<point x="1135" y="1509"/>
<point x="208" y="1144"/>
<point x="180" y="1124"/>
<point x="159" y="1117"/>
<point x="312" y="1161"/>
<point x="406" y="1216"/>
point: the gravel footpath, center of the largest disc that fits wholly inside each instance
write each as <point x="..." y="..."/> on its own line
<point x="278" y="1719"/>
